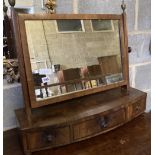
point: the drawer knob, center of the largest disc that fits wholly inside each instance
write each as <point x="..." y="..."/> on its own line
<point x="103" y="122"/>
<point x="137" y="108"/>
<point x="49" y="138"/>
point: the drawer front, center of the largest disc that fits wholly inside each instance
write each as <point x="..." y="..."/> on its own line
<point x="98" y="124"/>
<point x="138" y="107"/>
<point x="48" y="137"/>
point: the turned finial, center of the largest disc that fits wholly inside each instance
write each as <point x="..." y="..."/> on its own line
<point x="5" y="8"/>
<point x="123" y="6"/>
<point x="12" y="2"/>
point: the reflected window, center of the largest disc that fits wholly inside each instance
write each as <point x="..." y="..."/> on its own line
<point x="70" y="25"/>
<point x="102" y="25"/>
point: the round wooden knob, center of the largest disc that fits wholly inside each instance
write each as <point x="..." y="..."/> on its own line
<point x="103" y="122"/>
<point x="12" y="2"/>
<point x="49" y="138"/>
<point x="137" y="108"/>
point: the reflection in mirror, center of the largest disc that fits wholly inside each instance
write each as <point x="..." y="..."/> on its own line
<point x="73" y="55"/>
<point x="102" y="25"/>
<point x="69" y="25"/>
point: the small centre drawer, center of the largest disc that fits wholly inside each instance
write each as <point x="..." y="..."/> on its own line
<point x="98" y="124"/>
<point x="138" y="107"/>
<point x="48" y="137"/>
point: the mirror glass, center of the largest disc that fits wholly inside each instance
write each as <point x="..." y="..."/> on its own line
<point x="73" y="55"/>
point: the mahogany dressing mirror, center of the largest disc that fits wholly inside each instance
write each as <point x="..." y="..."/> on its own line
<point x="74" y="74"/>
<point x="68" y="56"/>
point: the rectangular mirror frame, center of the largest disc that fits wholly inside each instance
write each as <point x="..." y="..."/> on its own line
<point x="24" y="58"/>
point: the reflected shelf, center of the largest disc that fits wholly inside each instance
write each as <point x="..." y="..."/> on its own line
<point x="44" y="92"/>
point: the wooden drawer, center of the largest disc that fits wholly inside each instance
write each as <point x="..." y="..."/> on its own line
<point x="48" y="137"/>
<point x="98" y="124"/>
<point x="138" y="107"/>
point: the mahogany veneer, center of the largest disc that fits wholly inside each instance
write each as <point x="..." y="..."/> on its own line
<point x="79" y="119"/>
<point x="133" y="138"/>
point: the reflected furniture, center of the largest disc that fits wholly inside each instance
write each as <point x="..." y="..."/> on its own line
<point x="89" y="48"/>
<point x="72" y="74"/>
<point x="94" y="70"/>
<point x="107" y="69"/>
